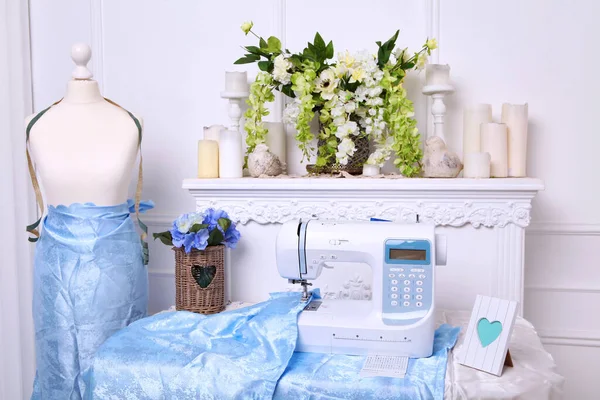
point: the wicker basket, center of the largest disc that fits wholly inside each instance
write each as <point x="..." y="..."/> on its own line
<point x="355" y="163"/>
<point x="194" y="269"/>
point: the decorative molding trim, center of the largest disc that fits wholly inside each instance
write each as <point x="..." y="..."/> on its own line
<point x="97" y="41"/>
<point x="570" y="338"/>
<point x="441" y="214"/>
<point x="562" y="289"/>
<point x="433" y="26"/>
<point x="162" y="272"/>
<point x="455" y="202"/>
<point x="280" y="31"/>
<point x="508" y="283"/>
<point x="563" y="229"/>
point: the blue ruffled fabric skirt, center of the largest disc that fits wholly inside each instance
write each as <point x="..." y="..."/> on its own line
<point x="89" y="282"/>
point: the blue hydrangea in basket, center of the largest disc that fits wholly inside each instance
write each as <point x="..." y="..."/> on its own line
<point x="199" y="240"/>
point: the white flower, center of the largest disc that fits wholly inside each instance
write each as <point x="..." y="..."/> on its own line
<point x="350" y="106"/>
<point x="372" y="112"/>
<point x="349" y="128"/>
<point x="345" y="149"/>
<point x="421" y="61"/>
<point x="281" y="69"/>
<point x="292" y="110"/>
<point x="184" y="223"/>
<point x="247" y="26"/>
<point x="339" y="121"/>
<point x="376" y="91"/>
<point x="326" y="84"/>
<point x="358" y="74"/>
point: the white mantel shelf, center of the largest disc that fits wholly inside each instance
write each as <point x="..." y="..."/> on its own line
<point x="445" y="202"/>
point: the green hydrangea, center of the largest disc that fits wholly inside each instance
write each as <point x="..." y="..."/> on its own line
<point x="261" y="93"/>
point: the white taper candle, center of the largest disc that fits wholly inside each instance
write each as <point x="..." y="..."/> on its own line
<point x="236" y="82"/>
<point x="212" y="132"/>
<point x="476" y="165"/>
<point x="276" y="139"/>
<point x="473" y="117"/>
<point x="231" y="157"/>
<point x="494" y="140"/>
<point x="208" y="159"/>
<point x="515" y="117"/>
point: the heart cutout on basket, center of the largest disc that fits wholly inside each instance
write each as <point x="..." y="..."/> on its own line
<point x="204" y="274"/>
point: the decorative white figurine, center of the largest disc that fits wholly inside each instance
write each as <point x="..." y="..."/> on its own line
<point x="438" y="161"/>
<point x="262" y="162"/>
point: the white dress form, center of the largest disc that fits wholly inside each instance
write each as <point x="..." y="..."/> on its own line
<point x="84" y="148"/>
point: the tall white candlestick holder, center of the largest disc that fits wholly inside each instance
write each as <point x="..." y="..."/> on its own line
<point x="438" y="108"/>
<point x="235" y="108"/>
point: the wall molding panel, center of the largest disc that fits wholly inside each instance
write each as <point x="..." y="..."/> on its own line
<point x="97" y="42"/>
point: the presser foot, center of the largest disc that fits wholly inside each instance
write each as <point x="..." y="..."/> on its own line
<point x="305" y="292"/>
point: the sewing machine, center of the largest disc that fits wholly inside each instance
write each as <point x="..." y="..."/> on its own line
<point x="399" y="319"/>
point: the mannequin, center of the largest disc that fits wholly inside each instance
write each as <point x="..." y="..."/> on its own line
<point x="89" y="274"/>
<point x="84" y="147"/>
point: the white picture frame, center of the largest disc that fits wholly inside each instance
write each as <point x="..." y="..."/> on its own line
<point x="485" y="344"/>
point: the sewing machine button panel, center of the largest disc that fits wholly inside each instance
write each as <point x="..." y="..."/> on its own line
<point x="414" y="279"/>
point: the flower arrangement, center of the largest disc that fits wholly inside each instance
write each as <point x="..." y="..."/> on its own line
<point x="356" y="96"/>
<point x="200" y="230"/>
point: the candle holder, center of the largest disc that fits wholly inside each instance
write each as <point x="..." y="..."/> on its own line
<point x="438" y="108"/>
<point x="235" y="109"/>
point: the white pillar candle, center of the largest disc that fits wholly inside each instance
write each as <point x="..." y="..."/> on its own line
<point x="494" y="140"/>
<point x="208" y="159"/>
<point x="276" y="139"/>
<point x="473" y="117"/>
<point x="515" y="117"/>
<point x="231" y="157"/>
<point x="370" y="170"/>
<point x="437" y="74"/>
<point x="476" y="165"/>
<point x="212" y="132"/>
<point x="236" y="82"/>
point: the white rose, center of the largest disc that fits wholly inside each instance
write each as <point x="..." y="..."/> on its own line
<point x="281" y="69"/>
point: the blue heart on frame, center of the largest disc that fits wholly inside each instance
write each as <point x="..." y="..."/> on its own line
<point x="488" y="331"/>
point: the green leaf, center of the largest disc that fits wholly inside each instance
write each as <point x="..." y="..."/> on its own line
<point x="287" y="90"/>
<point x="255" y="50"/>
<point x="266" y="66"/>
<point x="319" y="42"/>
<point x="247" y="59"/>
<point x="274" y="44"/>
<point x="224" y="223"/>
<point x="215" y="238"/>
<point x="263" y="45"/>
<point x="329" y="50"/>
<point x="164" y="237"/>
<point x="198" y="227"/>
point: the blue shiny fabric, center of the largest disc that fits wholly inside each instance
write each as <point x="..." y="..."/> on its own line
<point x="89" y="282"/>
<point x="242" y="354"/>
<point x="238" y="354"/>
<point x="333" y="376"/>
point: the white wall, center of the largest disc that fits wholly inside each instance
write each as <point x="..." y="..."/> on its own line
<point x="166" y="61"/>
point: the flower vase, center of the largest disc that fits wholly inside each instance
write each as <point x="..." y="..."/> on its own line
<point x="200" y="280"/>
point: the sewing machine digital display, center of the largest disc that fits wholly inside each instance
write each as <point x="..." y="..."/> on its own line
<point x="407" y="254"/>
<point x="407" y="281"/>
